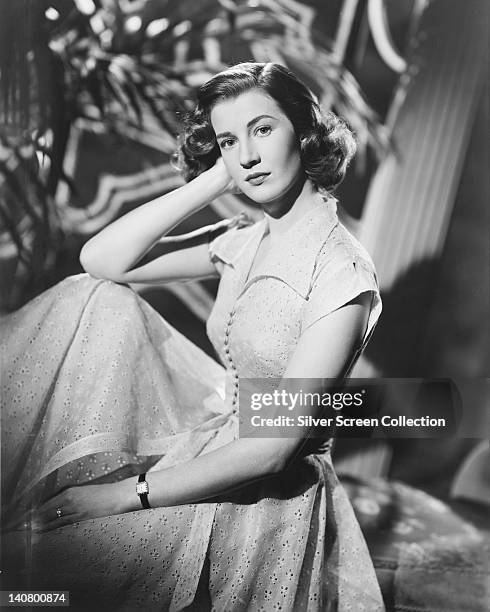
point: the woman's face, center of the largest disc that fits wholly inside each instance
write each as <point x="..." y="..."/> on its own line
<point x="258" y="145"/>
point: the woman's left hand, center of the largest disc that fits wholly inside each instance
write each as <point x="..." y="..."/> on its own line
<point x="76" y="504"/>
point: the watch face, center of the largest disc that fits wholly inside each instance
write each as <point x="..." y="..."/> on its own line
<point x="142" y="488"/>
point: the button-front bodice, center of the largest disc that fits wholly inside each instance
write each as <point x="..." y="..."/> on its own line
<point x="257" y="320"/>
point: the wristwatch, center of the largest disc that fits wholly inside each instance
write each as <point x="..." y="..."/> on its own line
<point x="142" y="490"/>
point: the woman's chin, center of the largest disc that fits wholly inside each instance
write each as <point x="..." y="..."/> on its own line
<point x="247" y="199"/>
<point x="260" y="196"/>
<point x="270" y="199"/>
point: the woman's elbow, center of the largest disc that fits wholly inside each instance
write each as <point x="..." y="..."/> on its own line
<point x="88" y="262"/>
<point x="281" y="463"/>
<point x="95" y="265"/>
<point x="285" y="452"/>
<point x="261" y="457"/>
<point x="278" y="460"/>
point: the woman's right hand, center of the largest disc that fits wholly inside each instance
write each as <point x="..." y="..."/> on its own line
<point x="221" y="175"/>
<point x="115" y="251"/>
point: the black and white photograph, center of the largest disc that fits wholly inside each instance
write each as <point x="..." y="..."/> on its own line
<point x="244" y="305"/>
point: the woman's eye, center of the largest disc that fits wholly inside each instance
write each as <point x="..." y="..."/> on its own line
<point x="226" y="144"/>
<point x="263" y="130"/>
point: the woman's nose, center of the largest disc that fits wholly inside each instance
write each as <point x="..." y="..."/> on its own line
<point x="249" y="156"/>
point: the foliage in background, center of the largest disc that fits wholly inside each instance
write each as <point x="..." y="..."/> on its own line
<point x="119" y="63"/>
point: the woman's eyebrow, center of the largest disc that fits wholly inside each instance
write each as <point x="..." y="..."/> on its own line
<point x="250" y="124"/>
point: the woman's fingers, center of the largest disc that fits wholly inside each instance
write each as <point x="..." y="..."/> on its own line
<point x="55" y="512"/>
<point x="51" y="519"/>
<point x="56" y="523"/>
<point x="73" y="505"/>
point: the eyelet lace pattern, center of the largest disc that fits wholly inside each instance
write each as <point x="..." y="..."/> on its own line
<point x="98" y="386"/>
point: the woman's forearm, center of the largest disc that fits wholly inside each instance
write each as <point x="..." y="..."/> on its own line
<point x="119" y="246"/>
<point x="234" y="465"/>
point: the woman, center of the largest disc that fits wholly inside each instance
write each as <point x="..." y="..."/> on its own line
<point x="235" y="523"/>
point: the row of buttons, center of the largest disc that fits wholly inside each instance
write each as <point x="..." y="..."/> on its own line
<point x="230" y="360"/>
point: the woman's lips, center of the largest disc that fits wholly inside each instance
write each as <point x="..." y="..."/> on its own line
<point x="257" y="179"/>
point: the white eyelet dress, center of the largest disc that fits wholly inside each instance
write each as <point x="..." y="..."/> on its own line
<point x="98" y="386"/>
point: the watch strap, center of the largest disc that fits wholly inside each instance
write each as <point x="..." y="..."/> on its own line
<point x="144" y="495"/>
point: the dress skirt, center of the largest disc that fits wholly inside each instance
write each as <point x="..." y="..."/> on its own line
<point x="97" y="386"/>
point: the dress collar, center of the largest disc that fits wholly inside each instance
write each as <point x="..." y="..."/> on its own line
<point x="293" y="256"/>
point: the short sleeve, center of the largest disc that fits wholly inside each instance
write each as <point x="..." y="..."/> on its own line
<point x="338" y="282"/>
<point x="225" y="246"/>
<point x="221" y="247"/>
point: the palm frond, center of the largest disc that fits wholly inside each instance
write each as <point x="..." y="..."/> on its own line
<point x="92" y="66"/>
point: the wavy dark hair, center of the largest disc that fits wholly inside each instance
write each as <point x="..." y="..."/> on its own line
<point x="326" y="144"/>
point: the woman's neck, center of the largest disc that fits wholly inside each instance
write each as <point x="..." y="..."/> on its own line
<point x="281" y="220"/>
